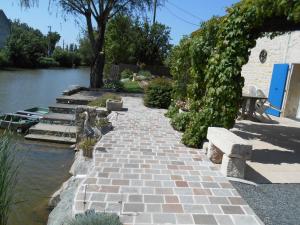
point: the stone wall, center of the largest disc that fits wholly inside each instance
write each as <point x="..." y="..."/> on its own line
<point x="282" y="49"/>
<point x="4" y="28"/>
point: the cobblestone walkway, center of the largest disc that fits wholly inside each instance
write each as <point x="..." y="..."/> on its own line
<point x="142" y="172"/>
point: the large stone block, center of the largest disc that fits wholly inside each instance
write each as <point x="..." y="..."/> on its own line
<point x="112" y="105"/>
<point x="233" y="167"/>
<point x="229" y="143"/>
<point x="214" y="153"/>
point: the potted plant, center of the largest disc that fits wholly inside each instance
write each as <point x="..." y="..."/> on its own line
<point x="104" y="125"/>
<point x="114" y="105"/>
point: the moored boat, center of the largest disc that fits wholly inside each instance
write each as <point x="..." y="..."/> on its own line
<point x="35" y="112"/>
<point x="17" y="122"/>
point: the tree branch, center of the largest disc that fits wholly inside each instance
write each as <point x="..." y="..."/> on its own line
<point x="119" y="9"/>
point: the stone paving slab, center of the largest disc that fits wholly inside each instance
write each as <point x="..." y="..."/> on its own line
<point x="142" y="172"/>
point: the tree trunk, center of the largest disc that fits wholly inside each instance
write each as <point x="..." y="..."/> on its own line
<point x="97" y="67"/>
<point x="96" y="75"/>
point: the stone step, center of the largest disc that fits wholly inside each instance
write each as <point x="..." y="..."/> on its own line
<point x="75" y="100"/>
<point x="54" y="130"/>
<point x="50" y="138"/>
<point x="63" y="108"/>
<point x="59" y="118"/>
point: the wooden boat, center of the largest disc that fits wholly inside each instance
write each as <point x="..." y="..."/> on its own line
<point x="36" y="112"/>
<point x="17" y="122"/>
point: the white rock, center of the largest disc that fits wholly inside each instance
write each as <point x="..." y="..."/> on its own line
<point x="229" y="143"/>
<point x="233" y="167"/>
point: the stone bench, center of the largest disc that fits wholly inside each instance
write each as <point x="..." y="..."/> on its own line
<point x="227" y="148"/>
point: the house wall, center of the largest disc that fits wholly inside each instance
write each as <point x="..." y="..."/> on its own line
<point x="282" y="49"/>
<point x="4" y="28"/>
<point x="293" y="94"/>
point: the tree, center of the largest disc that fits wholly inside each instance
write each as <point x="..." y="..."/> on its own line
<point x="85" y="50"/>
<point x="120" y="40"/>
<point x="53" y="38"/>
<point x="99" y="11"/>
<point x="152" y="43"/>
<point x="25" y="45"/>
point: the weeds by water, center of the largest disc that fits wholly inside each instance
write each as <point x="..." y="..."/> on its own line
<point x="8" y="176"/>
<point x="92" y="218"/>
<point x="87" y="146"/>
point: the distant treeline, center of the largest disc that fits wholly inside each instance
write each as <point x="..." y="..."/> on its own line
<point x="27" y="47"/>
<point x="128" y="40"/>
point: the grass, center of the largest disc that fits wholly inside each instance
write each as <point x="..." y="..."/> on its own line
<point x="132" y="87"/>
<point x="92" y="218"/>
<point x="8" y="177"/>
<point x="102" y="122"/>
<point x="87" y="146"/>
<point x="101" y="101"/>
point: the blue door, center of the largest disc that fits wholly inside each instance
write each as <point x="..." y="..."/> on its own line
<point x="277" y="88"/>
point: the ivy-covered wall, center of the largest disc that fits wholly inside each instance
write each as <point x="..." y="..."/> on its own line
<point x="217" y="54"/>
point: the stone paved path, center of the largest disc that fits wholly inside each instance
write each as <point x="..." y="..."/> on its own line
<point x="142" y="172"/>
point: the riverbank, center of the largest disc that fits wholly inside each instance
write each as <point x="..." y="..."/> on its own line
<point x="62" y="200"/>
<point x="43" y="167"/>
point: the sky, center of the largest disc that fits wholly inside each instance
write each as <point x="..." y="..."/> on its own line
<point x="182" y="16"/>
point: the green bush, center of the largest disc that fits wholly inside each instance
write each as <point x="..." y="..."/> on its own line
<point x="195" y="132"/>
<point x="172" y="110"/>
<point x="158" y="93"/>
<point x="4" y="61"/>
<point x="46" y="62"/>
<point x="113" y="84"/>
<point x="132" y="87"/>
<point x="66" y="58"/>
<point x="145" y="73"/>
<point x="127" y="74"/>
<point x="180" y="121"/>
<point x="92" y="218"/>
<point x="101" y="101"/>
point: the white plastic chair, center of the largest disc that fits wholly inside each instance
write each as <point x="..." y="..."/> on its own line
<point x="263" y="105"/>
<point x="252" y="90"/>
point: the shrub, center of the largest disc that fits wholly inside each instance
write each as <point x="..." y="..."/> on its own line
<point x="4" y="61"/>
<point x="46" y="62"/>
<point x="180" y="121"/>
<point x="113" y="84"/>
<point x="145" y="73"/>
<point x="195" y="132"/>
<point x="87" y="146"/>
<point x="101" y="101"/>
<point x="127" y="74"/>
<point x="172" y="110"/>
<point x="8" y="177"/>
<point x="92" y="218"/>
<point x="66" y="58"/>
<point x="102" y="122"/>
<point x="132" y="87"/>
<point x="158" y="93"/>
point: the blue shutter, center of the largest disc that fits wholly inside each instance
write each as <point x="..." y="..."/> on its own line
<point x="277" y="88"/>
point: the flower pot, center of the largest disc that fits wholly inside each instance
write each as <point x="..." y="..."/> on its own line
<point x="113" y="105"/>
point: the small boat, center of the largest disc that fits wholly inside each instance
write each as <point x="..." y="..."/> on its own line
<point x="36" y="112"/>
<point x="17" y="122"/>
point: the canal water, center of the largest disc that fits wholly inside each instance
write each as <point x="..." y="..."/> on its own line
<point x="43" y="167"/>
